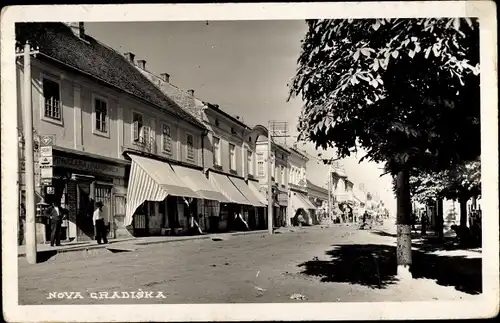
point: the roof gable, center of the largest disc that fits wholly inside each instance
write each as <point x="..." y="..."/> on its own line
<point x="57" y="41"/>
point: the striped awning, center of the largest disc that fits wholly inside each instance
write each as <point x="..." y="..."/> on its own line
<point x="152" y="180"/>
<point x="245" y="190"/>
<point x="197" y="181"/>
<point x="224" y="185"/>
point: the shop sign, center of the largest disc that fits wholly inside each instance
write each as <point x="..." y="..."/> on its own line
<point x="45" y="162"/>
<point x="89" y="166"/>
<point x="46" y="172"/>
<point x="46" y="151"/>
<point x="50" y="190"/>
<point x="46" y="181"/>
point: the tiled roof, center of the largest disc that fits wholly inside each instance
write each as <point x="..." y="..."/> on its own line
<point x="56" y="40"/>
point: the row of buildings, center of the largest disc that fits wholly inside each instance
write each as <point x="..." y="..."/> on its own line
<point x="158" y="157"/>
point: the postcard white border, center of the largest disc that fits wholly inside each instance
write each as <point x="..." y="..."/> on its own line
<point x="485" y="306"/>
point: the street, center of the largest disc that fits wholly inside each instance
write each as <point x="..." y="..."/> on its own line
<point x="337" y="264"/>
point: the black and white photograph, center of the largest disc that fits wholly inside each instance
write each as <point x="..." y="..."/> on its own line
<point x="307" y="161"/>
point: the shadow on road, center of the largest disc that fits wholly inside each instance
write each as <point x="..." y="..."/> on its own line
<point x="375" y="266"/>
<point x="43" y="256"/>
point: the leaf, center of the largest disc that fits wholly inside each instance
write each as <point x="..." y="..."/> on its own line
<point x="379" y="79"/>
<point x="354" y="80"/>
<point x="375" y="65"/>
<point x="435" y="49"/>
<point x="365" y="51"/>
<point x="469" y="21"/>
<point x="411" y="53"/>
<point x="356" y="55"/>
<point x="374" y="83"/>
<point x="456" y="24"/>
<point x="428" y="51"/>
<point x="376" y="25"/>
<point x="395" y="54"/>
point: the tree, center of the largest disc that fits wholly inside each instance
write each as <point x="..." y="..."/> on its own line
<point x="404" y="90"/>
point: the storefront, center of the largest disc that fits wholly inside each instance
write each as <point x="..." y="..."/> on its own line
<point x="168" y="199"/>
<point x="77" y="181"/>
<point x="301" y="207"/>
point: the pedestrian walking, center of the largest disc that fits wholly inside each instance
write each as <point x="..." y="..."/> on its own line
<point x="99" y="226"/>
<point x="55" y="214"/>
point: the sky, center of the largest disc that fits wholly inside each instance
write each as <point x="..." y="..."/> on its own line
<point x="244" y="67"/>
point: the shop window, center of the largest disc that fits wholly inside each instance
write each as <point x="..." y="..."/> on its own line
<point x="52" y="99"/>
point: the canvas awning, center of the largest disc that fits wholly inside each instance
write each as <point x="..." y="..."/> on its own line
<point x="300" y="201"/>
<point x="245" y="190"/>
<point x="152" y="180"/>
<point x="197" y="181"/>
<point x="226" y="187"/>
<point x="255" y="189"/>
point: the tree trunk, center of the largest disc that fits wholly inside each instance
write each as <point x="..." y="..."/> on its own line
<point x="403" y="222"/>
<point x="463" y="211"/>
<point x="439" y="219"/>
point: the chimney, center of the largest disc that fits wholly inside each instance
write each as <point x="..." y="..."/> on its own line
<point x="165" y="77"/>
<point x="142" y="64"/>
<point x="78" y="28"/>
<point x="191" y="92"/>
<point x="130" y="57"/>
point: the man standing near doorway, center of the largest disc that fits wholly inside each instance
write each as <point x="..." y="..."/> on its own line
<point x="55" y="214"/>
<point x="99" y="226"/>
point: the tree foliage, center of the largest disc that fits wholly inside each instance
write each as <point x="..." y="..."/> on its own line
<point x="405" y="90"/>
<point x="462" y="181"/>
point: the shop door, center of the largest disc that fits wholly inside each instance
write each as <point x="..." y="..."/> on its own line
<point x="173" y="219"/>
<point x="85" y="210"/>
<point x="103" y="194"/>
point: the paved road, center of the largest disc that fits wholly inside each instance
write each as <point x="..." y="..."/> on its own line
<point x="334" y="264"/>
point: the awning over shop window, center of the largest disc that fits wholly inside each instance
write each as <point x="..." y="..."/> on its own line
<point x="224" y="185"/>
<point x="260" y="195"/>
<point x="199" y="183"/>
<point x="152" y="180"/>
<point x="300" y="201"/>
<point x="246" y="191"/>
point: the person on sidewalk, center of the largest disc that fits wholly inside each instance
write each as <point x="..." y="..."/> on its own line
<point x="55" y="214"/>
<point x="99" y="226"/>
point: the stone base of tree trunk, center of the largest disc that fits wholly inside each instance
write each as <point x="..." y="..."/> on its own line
<point x="404" y="258"/>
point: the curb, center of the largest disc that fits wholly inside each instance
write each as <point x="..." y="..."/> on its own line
<point x="138" y="242"/>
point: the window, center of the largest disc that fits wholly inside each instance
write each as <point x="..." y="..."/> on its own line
<point x="216" y="151"/>
<point x="232" y="157"/>
<point x="249" y="162"/>
<point x="282" y="175"/>
<point x="52" y="99"/>
<point x="260" y="164"/>
<point x="138" y="124"/>
<point x="101" y="115"/>
<point x="190" y="146"/>
<point x="166" y="138"/>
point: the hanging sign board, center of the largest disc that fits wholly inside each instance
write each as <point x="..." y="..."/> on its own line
<point x="46" y="172"/>
<point x="45" y="162"/>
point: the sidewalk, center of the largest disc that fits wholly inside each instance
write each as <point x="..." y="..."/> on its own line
<point x="86" y="245"/>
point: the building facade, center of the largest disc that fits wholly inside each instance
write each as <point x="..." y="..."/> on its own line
<point x="279" y="176"/>
<point x="229" y="162"/>
<point x="92" y="114"/>
<point x="301" y="209"/>
<point x="318" y="196"/>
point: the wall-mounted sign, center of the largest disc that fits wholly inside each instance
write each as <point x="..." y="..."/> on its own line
<point x="89" y="166"/>
<point x="46" y="172"/>
<point x="50" y="190"/>
<point x="47" y="140"/>
<point x="45" y="162"/>
<point x="46" y="151"/>
<point x="46" y="181"/>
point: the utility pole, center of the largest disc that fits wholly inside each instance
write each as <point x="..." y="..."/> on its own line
<point x="29" y="156"/>
<point x="330" y="191"/>
<point x="269" y="183"/>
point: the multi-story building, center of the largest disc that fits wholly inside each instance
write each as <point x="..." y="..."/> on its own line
<point x="279" y="177"/>
<point x="299" y="203"/>
<point x="228" y="160"/>
<point x="106" y="133"/>
<point x="318" y="196"/>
